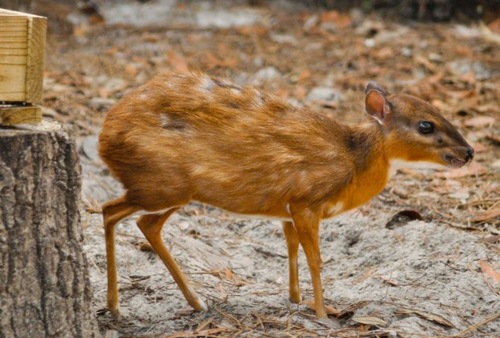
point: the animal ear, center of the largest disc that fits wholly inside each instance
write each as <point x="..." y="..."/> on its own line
<point x="376" y="103"/>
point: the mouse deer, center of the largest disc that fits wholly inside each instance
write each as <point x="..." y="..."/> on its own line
<point x="184" y="137"/>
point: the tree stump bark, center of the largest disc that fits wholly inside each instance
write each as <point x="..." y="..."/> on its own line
<point x="44" y="285"/>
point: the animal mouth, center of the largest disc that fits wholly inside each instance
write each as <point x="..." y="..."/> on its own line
<point x="454" y="162"/>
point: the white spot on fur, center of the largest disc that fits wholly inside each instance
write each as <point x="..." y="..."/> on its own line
<point x="206" y="84"/>
<point x="235" y="91"/>
<point x="257" y="99"/>
<point x="164" y="120"/>
<point x="143" y="97"/>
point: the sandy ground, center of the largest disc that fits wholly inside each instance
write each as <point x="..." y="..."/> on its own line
<point x="417" y="279"/>
<point x="436" y="277"/>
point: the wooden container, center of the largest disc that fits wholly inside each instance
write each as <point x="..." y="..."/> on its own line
<point x="22" y="50"/>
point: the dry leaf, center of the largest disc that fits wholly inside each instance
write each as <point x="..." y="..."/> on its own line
<point x="228" y="274"/>
<point x="384" y="53"/>
<point x="103" y="92"/>
<point x="370" y="320"/>
<point x="494" y="26"/>
<point x="340" y="20"/>
<point x="252" y="30"/>
<point x="178" y="63"/>
<point x="494" y="138"/>
<point x="426" y="315"/>
<point x="480" y="122"/>
<point x="204" y="324"/>
<point x="489" y="271"/>
<point x="300" y="92"/>
<point x="367" y="273"/>
<point x="131" y="69"/>
<point x="303" y="75"/>
<point x="491" y="239"/>
<point x="388" y="280"/>
<point x="403" y="217"/>
<point x="423" y="61"/>
<point x="487" y="215"/>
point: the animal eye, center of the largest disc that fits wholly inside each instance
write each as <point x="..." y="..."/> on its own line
<point x="425" y="127"/>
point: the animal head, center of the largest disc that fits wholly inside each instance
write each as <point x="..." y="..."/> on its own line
<point x="415" y="130"/>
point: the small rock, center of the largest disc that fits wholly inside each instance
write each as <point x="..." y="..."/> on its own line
<point x="101" y="103"/>
<point x="46" y="111"/>
<point x="311" y="22"/>
<point x="266" y="74"/>
<point x="89" y="148"/>
<point x="462" y="195"/>
<point x="227" y="18"/>
<point x="325" y="94"/>
<point x="462" y="67"/>
<point x="283" y="38"/>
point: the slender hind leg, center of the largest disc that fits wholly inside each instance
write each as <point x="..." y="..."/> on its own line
<point x="151" y="226"/>
<point x="113" y="212"/>
<point x="292" y="243"/>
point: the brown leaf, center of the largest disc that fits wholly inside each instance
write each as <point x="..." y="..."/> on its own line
<point x="204" y="324"/>
<point x="252" y="30"/>
<point x="480" y="122"/>
<point x="384" y="53"/>
<point x="403" y="217"/>
<point x="300" y="92"/>
<point x="491" y="239"/>
<point x="367" y="273"/>
<point x="228" y="274"/>
<point x="494" y="26"/>
<point x="178" y="63"/>
<point x="370" y="320"/>
<point x="487" y="215"/>
<point x="340" y="20"/>
<point x="494" y="138"/>
<point x="211" y="61"/>
<point x="426" y="315"/>
<point x="489" y="271"/>
<point x="480" y="148"/>
<point x="103" y="92"/>
<point x="131" y="69"/>
<point x="388" y="280"/>
<point x="423" y="61"/>
<point x="303" y="75"/>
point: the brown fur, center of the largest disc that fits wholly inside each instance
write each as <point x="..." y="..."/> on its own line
<point x="187" y="137"/>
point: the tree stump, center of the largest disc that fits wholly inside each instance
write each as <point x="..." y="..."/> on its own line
<point x="44" y="285"/>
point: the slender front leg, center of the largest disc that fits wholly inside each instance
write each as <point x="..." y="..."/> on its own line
<point x="112" y="213"/>
<point x="292" y="243"/>
<point x="306" y="223"/>
<point x="151" y="226"/>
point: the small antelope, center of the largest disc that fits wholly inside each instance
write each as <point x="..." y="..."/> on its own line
<point x="182" y="137"/>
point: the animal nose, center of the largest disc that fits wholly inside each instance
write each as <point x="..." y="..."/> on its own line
<point x="470" y="153"/>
